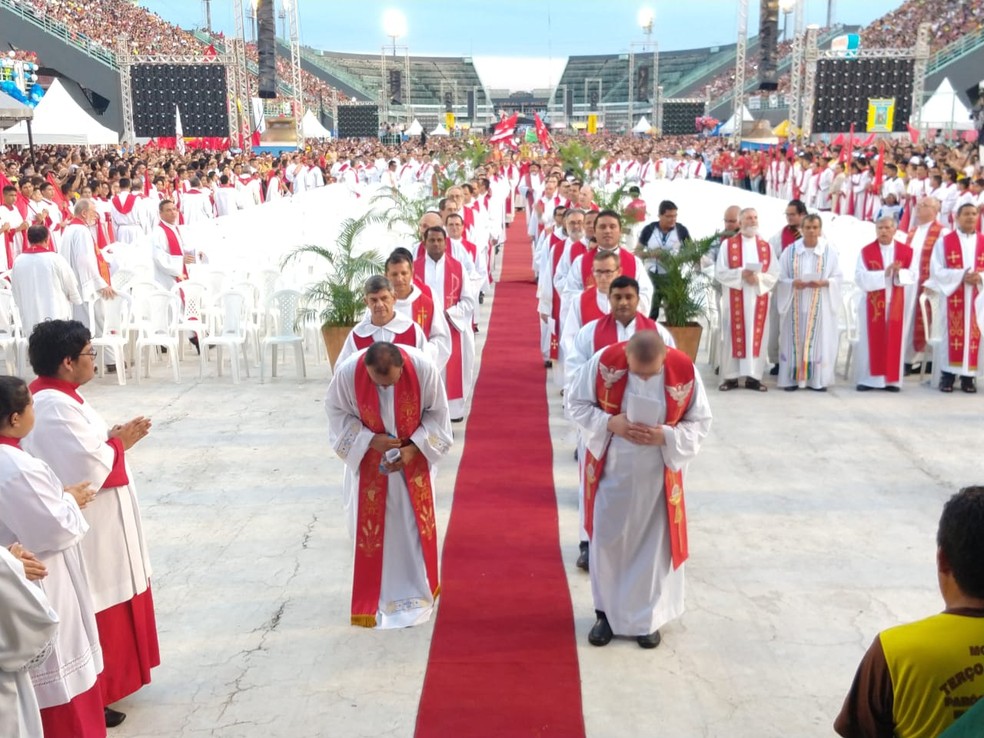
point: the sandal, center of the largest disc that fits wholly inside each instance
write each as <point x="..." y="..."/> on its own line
<point x="946" y="382"/>
<point x="968" y="385"/>
<point x="755" y="385"/>
<point x="728" y="384"/>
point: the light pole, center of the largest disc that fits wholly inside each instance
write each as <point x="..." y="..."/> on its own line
<point x="786" y="6"/>
<point x="394" y="26"/>
<point x="251" y="14"/>
<point x="645" y="19"/>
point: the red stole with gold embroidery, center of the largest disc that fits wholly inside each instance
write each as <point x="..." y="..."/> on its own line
<point x="739" y="342"/>
<point x="885" y="337"/>
<point x="955" y="304"/>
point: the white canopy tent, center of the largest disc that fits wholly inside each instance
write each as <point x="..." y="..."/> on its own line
<point x="945" y="109"/>
<point x="58" y="119"/>
<point x="12" y="110"/>
<point x="439" y="131"/>
<point x="642" y="126"/>
<point x="311" y="127"/>
<point x="728" y="127"/>
<point x="415" y="128"/>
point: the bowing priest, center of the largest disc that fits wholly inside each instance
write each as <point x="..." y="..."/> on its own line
<point x="388" y="421"/>
<point x="747" y="270"/>
<point x="452" y="292"/>
<point x="414" y="300"/>
<point x="886" y="276"/>
<point x="808" y="297"/>
<point x="79" y="446"/>
<point x="643" y="413"/>
<point x="956" y="273"/>
<point x="383" y="323"/>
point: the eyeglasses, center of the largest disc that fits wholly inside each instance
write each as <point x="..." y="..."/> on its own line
<point x="91" y="352"/>
<point x="604" y="272"/>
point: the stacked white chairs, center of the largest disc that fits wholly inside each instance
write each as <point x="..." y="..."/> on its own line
<point x="929" y="310"/>
<point x="13" y="344"/>
<point x="228" y="329"/>
<point x="116" y="317"/>
<point x="156" y="329"/>
<point x="256" y="313"/>
<point x="192" y="296"/>
<point x="285" y="310"/>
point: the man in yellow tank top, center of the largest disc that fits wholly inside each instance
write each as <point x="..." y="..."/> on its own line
<point x="919" y="678"/>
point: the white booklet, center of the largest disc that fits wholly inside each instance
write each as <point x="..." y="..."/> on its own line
<point x="754" y="266"/>
<point x="644" y="410"/>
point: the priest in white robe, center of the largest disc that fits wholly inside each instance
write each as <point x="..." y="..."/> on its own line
<point x="808" y="301"/>
<point x="126" y="214"/>
<point x="414" y="301"/>
<point x="28" y="625"/>
<point x="79" y="446"/>
<point x="886" y="274"/>
<point x="38" y="512"/>
<point x="42" y="282"/>
<point x="748" y="270"/>
<point x="172" y="255"/>
<point x="591" y="304"/>
<point x="643" y="413"/>
<point x="383" y="323"/>
<point x="956" y="271"/>
<point x="386" y="453"/>
<point x="922" y="238"/>
<point x="13" y="227"/>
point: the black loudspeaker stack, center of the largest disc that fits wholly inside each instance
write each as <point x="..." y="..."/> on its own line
<point x="768" y="43"/>
<point x="470" y="99"/>
<point x="266" y="44"/>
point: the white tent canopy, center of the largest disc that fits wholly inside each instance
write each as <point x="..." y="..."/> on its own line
<point x="12" y="110"/>
<point x="311" y="127"/>
<point x="415" y="128"/>
<point x="944" y="109"/>
<point x="58" y="119"/>
<point x="642" y="126"/>
<point x="729" y="126"/>
<point x="439" y="131"/>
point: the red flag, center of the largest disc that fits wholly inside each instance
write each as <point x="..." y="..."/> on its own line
<point x="879" y="169"/>
<point x="4" y="182"/>
<point x="868" y="141"/>
<point x="839" y="141"/>
<point x="542" y="134"/>
<point x="505" y="129"/>
<point x="913" y="134"/>
<point x="210" y="52"/>
<point x="904" y="223"/>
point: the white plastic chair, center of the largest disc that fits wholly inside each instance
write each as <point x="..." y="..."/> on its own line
<point x="116" y="322"/>
<point x="12" y="340"/>
<point x="931" y="331"/>
<point x="852" y="303"/>
<point x="228" y="328"/>
<point x="156" y="331"/>
<point x="713" y="312"/>
<point x="192" y="318"/>
<point x="256" y="313"/>
<point x="284" y="306"/>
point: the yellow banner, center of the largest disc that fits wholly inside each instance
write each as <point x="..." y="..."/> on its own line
<point x="449" y="120"/>
<point x="881" y="115"/>
<point x="592" y="123"/>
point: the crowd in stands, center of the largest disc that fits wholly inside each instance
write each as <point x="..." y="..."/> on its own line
<point x="950" y="19"/>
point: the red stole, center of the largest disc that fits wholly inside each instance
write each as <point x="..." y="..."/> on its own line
<point x="626" y="259"/>
<point x="422" y="309"/>
<point x="885" y="337"/>
<point x="100" y="261"/>
<point x="125" y="209"/>
<point x="955" y="304"/>
<point x="678" y="378"/>
<point x="589" y="306"/>
<point x="788" y="237"/>
<point x="606" y="332"/>
<point x="919" y="333"/>
<point x="739" y="342"/>
<point x="454" y="372"/>
<point x="174" y="248"/>
<point x="368" y="572"/>
<point x="407" y="338"/>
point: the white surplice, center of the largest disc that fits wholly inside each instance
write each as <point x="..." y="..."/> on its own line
<point x="405" y="596"/>
<point x="44" y="288"/>
<point x="38" y="513"/>
<point x="751" y="365"/>
<point x="167" y="266"/>
<point x="399" y="324"/>
<point x="632" y="576"/>
<point x="946" y="281"/>
<point x="439" y="340"/>
<point x="572" y="325"/>
<point x="28" y="625"/>
<point x="918" y="243"/>
<point x="816" y="311"/>
<point x="71" y="438"/>
<point x="574" y="283"/>
<point x="872" y="280"/>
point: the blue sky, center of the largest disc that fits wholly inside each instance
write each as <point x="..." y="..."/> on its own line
<point x="538" y="34"/>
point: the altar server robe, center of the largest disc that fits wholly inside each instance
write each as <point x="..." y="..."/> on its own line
<point x="44" y="287"/>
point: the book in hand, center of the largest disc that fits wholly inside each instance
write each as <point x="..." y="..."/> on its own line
<point x="644" y="410"/>
<point x="754" y="266"/>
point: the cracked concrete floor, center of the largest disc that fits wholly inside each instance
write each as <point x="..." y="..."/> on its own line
<point x="812" y="524"/>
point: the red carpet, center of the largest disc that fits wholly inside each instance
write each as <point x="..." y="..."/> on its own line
<point x="503" y="660"/>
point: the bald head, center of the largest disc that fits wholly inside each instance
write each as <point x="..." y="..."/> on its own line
<point x="731" y="219"/>
<point x="429" y="220"/>
<point x="646" y="353"/>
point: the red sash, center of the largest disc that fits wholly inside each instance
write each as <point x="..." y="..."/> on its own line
<point x="589" y="306"/>
<point x="955" y="304"/>
<point x="373" y="488"/>
<point x="626" y="259"/>
<point x="100" y="261"/>
<point x="678" y="376"/>
<point x="606" y="333"/>
<point x="131" y="200"/>
<point x="454" y="371"/>
<point x="919" y="333"/>
<point x="407" y="338"/>
<point x="174" y="248"/>
<point x="422" y="309"/>
<point x="885" y="336"/>
<point x="739" y="344"/>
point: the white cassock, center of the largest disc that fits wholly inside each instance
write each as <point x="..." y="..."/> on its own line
<point x="439" y="340"/>
<point x="808" y="330"/>
<point x="28" y="627"/>
<point x="71" y="438"/>
<point x="37" y="512"/>
<point x="574" y="283"/>
<point x="918" y="243"/>
<point x="872" y="280"/>
<point x="314" y="178"/>
<point x="128" y="226"/>
<point x="583" y="345"/>
<point x="196" y="207"/>
<point x="17" y="240"/>
<point x="399" y="325"/>
<point x="273" y="192"/>
<point x="44" y="288"/>
<point x="79" y="249"/>
<point x="571" y="327"/>
<point x="168" y="267"/>
<point x="405" y="596"/>
<point x="632" y="576"/>
<point x="945" y="282"/>
<point x="227" y="200"/>
<point x="459" y="317"/>
<point x="749" y="366"/>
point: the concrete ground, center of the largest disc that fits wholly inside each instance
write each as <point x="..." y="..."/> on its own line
<point x="812" y="522"/>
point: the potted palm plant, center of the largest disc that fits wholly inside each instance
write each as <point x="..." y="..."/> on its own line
<point x="336" y="299"/>
<point x="680" y="288"/>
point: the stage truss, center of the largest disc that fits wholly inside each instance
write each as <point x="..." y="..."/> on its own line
<point x="654" y="115"/>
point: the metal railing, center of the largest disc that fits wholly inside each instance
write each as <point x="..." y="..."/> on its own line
<point x="351" y="80"/>
<point x="703" y="71"/>
<point x="80" y="41"/>
<point x="957" y="50"/>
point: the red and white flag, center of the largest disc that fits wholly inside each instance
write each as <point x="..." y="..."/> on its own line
<point x="505" y="129"/>
<point x="541" y="131"/>
<point x="179" y="142"/>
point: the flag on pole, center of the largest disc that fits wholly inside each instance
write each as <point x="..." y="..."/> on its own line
<point x="913" y="133"/>
<point x="505" y="129"/>
<point x="876" y="186"/>
<point x="179" y="142"/>
<point x="541" y="131"/>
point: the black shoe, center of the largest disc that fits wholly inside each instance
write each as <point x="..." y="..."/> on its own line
<point x="481" y="298"/>
<point x="910" y="369"/>
<point x="601" y="633"/>
<point x="817" y="389"/>
<point x="893" y="388"/>
<point x="548" y="364"/>
<point x="929" y="367"/>
<point x="111" y="368"/>
<point x="791" y="388"/>
<point x="946" y="381"/>
<point x="774" y="371"/>
<point x="113" y="717"/>
<point x="968" y="385"/>
<point x="457" y="420"/>
<point x="864" y="388"/>
<point x="582" y="559"/>
<point x="650" y="641"/>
